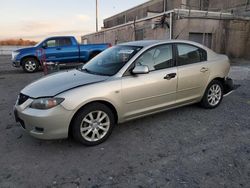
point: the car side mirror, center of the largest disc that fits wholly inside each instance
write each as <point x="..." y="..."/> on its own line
<point x="140" y="69"/>
<point x="44" y="45"/>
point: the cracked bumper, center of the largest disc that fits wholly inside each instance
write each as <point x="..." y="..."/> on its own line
<point x="16" y="63"/>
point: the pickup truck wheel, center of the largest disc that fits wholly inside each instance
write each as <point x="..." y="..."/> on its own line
<point x="213" y="95"/>
<point x="30" y="65"/>
<point x="93" y="124"/>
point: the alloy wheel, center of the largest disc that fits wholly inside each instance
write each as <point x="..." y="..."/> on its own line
<point x="30" y="66"/>
<point x="214" y="94"/>
<point x="94" y="126"/>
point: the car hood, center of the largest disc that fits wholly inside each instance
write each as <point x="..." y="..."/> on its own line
<point x="26" y="49"/>
<point x="54" y="84"/>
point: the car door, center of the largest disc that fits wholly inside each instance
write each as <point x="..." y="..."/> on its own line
<point x="61" y="50"/>
<point x="193" y="72"/>
<point x="67" y="51"/>
<point x="50" y="47"/>
<point x="154" y="91"/>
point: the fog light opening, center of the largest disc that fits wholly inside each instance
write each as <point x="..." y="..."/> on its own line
<point x="39" y="129"/>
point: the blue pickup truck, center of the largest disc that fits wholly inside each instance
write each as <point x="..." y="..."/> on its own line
<point x="63" y="49"/>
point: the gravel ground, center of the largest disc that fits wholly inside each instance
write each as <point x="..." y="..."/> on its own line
<point x="185" y="147"/>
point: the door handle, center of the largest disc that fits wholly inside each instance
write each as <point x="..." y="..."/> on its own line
<point x="170" y="76"/>
<point x="204" y="69"/>
<point x="58" y="49"/>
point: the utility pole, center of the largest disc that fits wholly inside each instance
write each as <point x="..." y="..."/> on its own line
<point x="96" y="11"/>
<point x="164" y="5"/>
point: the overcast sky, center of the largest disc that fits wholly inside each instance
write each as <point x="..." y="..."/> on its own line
<point x="37" y="19"/>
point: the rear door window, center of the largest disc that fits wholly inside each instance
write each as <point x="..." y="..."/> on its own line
<point x="188" y="54"/>
<point x="64" y="42"/>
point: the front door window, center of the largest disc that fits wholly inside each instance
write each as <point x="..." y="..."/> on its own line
<point x="157" y="58"/>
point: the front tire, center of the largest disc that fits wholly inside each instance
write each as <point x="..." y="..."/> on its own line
<point x="93" y="124"/>
<point x="213" y="95"/>
<point x="30" y="65"/>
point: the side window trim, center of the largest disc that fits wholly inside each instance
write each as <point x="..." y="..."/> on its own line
<point x="132" y="65"/>
<point x="57" y="42"/>
<point x="175" y="54"/>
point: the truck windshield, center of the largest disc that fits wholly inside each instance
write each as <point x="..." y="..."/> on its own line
<point x="39" y="43"/>
<point x="110" y="61"/>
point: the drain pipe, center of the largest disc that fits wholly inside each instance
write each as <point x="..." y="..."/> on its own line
<point x="171" y="25"/>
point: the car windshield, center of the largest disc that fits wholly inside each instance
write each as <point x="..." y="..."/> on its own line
<point x="111" y="60"/>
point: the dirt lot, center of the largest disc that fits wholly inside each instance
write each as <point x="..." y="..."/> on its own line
<point x="186" y="147"/>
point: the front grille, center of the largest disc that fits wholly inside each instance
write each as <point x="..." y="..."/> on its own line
<point x="22" y="98"/>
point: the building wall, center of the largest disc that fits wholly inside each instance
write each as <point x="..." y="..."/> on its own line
<point x="215" y="5"/>
<point x="138" y="12"/>
<point x="237" y="7"/>
<point x="128" y="33"/>
<point x="192" y="4"/>
<point x="226" y="4"/>
<point x="237" y="38"/>
<point x="231" y="37"/>
<point x="153" y="6"/>
<point x="240" y="7"/>
<point x="183" y="27"/>
<point x="174" y="4"/>
<point x="142" y="11"/>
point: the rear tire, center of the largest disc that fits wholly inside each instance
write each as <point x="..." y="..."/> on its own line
<point x="30" y="65"/>
<point x="213" y="95"/>
<point x="93" y="124"/>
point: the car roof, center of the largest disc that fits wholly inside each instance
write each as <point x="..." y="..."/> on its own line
<point x="55" y="37"/>
<point x="142" y="43"/>
<point x="145" y="43"/>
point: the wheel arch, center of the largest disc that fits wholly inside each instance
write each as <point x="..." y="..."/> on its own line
<point x="204" y="102"/>
<point x="29" y="56"/>
<point x="220" y="79"/>
<point x="108" y="104"/>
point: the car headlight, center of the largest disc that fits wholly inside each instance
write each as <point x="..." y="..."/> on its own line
<point x="46" y="103"/>
<point x="14" y="54"/>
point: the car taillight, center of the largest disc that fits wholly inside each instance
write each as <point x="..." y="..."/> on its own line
<point x="109" y="45"/>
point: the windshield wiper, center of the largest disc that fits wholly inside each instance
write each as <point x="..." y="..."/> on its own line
<point x="103" y="74"/>
<point x="95" y="73"/>
<point x="88" y="71"/>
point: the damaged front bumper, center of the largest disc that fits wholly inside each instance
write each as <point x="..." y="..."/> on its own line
<point x="16" y="64"/>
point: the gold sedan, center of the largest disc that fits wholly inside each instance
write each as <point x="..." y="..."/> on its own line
<point x="125" y="82"/>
